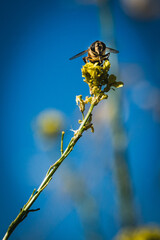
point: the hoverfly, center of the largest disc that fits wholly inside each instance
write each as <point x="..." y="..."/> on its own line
<point x="96" y="53"/>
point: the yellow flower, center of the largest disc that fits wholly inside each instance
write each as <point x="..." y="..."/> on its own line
<point x="106" y="65"/>
<point x="92" y="71"/>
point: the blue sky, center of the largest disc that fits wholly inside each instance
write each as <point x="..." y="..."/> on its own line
<point x="37" y="39"/>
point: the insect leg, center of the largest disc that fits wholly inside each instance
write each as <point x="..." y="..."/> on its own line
<point x="85" y="59"/>
<point x="107" y="56"/>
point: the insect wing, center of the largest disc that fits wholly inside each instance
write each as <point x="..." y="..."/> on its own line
<point x="79" y="54"/>
<point x="111" y="50"/>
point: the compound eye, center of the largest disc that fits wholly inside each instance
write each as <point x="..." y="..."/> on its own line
<point x="102" y="46"/>
<point x="93" y="47"/>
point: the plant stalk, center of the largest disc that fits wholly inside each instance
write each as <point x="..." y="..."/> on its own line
<point x="26" y="208"/>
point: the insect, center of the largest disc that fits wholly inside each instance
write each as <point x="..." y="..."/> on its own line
<point x="96" y="53"/>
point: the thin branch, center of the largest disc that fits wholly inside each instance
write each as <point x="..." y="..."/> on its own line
<point x="25" y="210"/>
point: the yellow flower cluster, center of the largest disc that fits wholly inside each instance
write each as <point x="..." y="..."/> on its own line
<point x="98" y="80"/>
<point x="145" y="233"/>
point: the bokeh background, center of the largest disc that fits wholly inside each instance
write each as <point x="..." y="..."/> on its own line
<point x="111" y="180"/>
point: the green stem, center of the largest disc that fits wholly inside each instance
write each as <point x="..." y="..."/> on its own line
<point x="25" y="210"/>
<point x="62" y="142"/>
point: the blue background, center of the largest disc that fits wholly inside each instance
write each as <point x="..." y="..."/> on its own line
<point x="37" y="39"/>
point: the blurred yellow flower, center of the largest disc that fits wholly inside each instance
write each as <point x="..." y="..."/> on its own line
<point x="49" y="123"/>
<point x="143" y="233"/>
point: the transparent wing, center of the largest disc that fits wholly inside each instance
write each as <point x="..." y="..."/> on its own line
<point x="111" y="50"/>
<point x="79" y="54"/>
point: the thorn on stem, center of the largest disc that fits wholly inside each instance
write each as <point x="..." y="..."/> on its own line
<point x="34" y="210"/>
